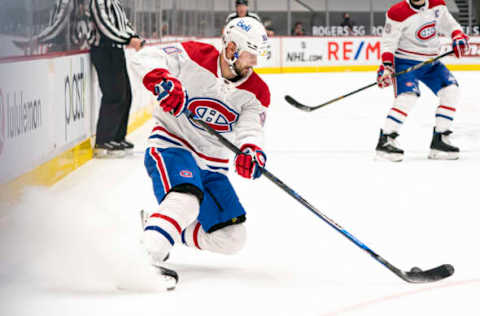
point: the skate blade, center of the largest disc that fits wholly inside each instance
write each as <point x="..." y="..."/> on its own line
<point x="390" y="157"/>
<point x="128" y="152"/>
<point x="169" y="276"/>
<point x="443" y="155"/>
<point x="108" y="154"/>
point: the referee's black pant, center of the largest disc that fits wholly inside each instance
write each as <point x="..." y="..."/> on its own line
<point x="111" y="68"/>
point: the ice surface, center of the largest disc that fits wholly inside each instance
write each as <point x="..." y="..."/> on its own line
<point x="74" y="248"/>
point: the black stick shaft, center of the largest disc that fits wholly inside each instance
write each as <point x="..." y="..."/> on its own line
<point x="412" y="68"/>
<point x="299" y="198"/>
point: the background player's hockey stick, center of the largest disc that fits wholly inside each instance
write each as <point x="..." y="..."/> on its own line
<point x="415" y="275"/>
<point x="307" y="108"/>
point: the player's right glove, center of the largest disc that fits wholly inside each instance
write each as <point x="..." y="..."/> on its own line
<point x="248" y="162"/>
<point x="460" y="43"/>
<point x="384" y="75"/>
<point x="168" y="89"/>
<point x="385" y="71"/>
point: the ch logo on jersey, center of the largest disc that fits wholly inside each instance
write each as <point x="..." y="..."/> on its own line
<point x="214" y="112"/>
<point x="186" y="174"/>
<point x="427" y="31"/>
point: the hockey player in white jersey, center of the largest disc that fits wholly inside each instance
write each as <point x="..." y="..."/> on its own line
<point x="411" y="35"/>
<point x="198" y="206"/>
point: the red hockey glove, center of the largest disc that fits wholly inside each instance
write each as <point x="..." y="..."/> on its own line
<point x="247" y="164"/>
<point x="384" y="75"/>
<point x="168" y="89"/>
<point x="460" y="43"/>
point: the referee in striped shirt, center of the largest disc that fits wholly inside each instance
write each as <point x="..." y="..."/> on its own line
<point x="241" y="10"/>
<point x="113" y="32"/>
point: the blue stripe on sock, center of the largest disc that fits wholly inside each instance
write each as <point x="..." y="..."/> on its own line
<point x="444" y="116"/>
<point x="161" y="231"/>
<point x="183" y="236"/>
<point x="395" y="119"/>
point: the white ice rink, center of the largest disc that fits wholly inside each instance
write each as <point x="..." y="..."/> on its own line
<point x="66" y="250"/>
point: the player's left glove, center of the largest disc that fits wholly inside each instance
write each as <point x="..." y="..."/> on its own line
<point x="247" y="164"/>
<point x="460" y="43"/>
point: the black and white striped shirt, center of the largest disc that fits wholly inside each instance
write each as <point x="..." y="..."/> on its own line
<point x="71" y="13"/>
<point x="234" y="15"/>
<point x="113" y="27"/>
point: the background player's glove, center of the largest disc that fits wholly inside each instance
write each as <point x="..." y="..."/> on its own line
<point x="247" y="164"/>
<point x="460" y="43"/>
<point x="168" y="89"/>
<point x="384" y="75"/>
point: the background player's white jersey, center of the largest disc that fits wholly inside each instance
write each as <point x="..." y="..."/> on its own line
<point x="414" y="34"/>
<point x="235" y="109"/>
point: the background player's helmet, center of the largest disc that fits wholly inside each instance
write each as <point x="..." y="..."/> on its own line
<point x="245" y="2"/>
<point x="248" y="34"/>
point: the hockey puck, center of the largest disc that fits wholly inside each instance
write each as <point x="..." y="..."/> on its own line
<point x="415" y="269"/>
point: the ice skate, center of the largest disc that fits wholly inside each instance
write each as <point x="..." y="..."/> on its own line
<point x="109" y="150"/>
<point x="127" y="147"/>
<point x="170" y="276"/>
<point x="441" y="148"/>
<point x="387" y="147"/>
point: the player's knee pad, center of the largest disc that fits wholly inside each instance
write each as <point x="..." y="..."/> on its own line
<point x="183" y="207"/>
<point x="405" y="102"/>
<point x="228" y="240"/>
<point x="448" y="96"/>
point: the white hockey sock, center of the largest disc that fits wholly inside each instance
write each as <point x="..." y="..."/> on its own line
<point x="227" y="240"/>
<point x="399" y="112"/>
<point x="163" y="228"/>
<point x="446" y="110"/>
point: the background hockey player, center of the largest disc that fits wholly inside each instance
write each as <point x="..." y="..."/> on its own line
<point x="197" y="204"/>
<point x="411" y="35"/>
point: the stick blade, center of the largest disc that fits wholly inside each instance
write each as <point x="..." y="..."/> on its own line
<point x="432" y="275"/>
<point x="297" y="104"/>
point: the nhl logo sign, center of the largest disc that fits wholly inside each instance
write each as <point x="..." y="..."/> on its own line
<point x="427" y="31"/>
<point x="213" y="112"/>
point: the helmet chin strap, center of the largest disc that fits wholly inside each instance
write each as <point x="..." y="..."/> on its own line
<point x="231" y="62"/>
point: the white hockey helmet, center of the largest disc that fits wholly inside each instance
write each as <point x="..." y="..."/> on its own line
<point x="248" y="34"/>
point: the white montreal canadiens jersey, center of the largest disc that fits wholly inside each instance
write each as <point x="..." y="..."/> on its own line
<point x="235" y="109"/>
<point x="414" y="34"/>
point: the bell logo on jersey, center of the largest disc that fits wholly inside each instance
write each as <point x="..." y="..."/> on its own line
<point x="214" y="112"/>
<point x="427" y="31"/>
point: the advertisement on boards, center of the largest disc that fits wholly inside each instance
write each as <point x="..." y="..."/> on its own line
<point x="330" y="51"/>
<point x="353" y="51"/>
<point x="25" y="118"/>
<point x="72" y="95"/>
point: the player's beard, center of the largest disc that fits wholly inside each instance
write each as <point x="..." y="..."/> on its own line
<point x="241" y="71"/>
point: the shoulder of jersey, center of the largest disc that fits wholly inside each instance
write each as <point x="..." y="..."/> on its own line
<point x="435" y="3"/>
<point x="258" y="87"/>
<point x="205" y="55"/>
<point x="401" y="11"/>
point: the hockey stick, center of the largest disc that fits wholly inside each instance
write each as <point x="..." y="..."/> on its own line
<point x="415" y="275"/>
<point x="307" y="108"/>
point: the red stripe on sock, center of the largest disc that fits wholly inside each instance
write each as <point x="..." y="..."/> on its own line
<point x="447" y="108"/>
<point x="195" y="236"/>
<point x="168" y="219"/>
<point x="399" y="111"/>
